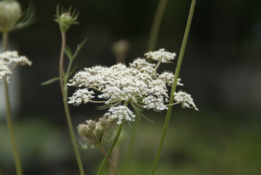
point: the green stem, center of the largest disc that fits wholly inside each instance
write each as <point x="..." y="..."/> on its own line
<point x="110" y="149"/>
<point x="156" y="25"/>
<point x="109" y="160"/>
<point x="168" y="115"/>
<point x="64" y="90"/>
<point x="17" y="161"/>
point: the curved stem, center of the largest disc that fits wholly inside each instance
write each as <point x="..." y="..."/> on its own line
<point x="61" y="64"/>
<point x="168" y="115"/>
<point x="109" y="160"/>
<point x="64" y="90"/>
<point x="17" y="161"/>
<point x="157" y="66"/>
<point x="156" y="25"/>
<point x="110" y="149"/>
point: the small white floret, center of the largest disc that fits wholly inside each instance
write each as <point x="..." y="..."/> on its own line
<point x="81" y="95"/>
<point x="122" y="113"/>
<point x="161" y="55"/>
<point x="185" y="100"/>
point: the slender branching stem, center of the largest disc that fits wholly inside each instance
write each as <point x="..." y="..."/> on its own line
<point x="157" y="66"/>
<point x="64" y="90"/>
<point x="17" y="161"/>
<point x="156" y="25"/>
<point x="168" y="115"/>
<point x="109" y="160"/>
<point x="110" y="149"/>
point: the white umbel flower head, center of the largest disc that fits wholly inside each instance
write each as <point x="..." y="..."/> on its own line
<point x="161" y="55"/>
<point x="185" y="100"/>
<point x="138" y="84"/>
<point x="9" y="60"/>
<point x="122" y="113"/>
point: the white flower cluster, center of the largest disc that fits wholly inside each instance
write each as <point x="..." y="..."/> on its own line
<point x="9" y="60"/>
<point x="161" y="55"/>
<point x="122" y="113"/>
<point x="185" y="100"/>
<point x="138" y="84"/>
<point x="81" y="95"/>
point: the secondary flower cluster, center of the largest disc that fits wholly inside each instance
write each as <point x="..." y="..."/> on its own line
<point x="139" y="84"/>
<point x="9" y="60"/>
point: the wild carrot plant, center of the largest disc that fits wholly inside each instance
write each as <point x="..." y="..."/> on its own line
<point x="11" y="19"/>
<point x="65" y="19"/>
<point x="138" y="86"/>
<point x="124" y="91"/>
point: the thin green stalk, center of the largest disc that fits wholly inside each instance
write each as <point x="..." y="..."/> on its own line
<point x="110" y="149"/>
<point x="115" y="158"/>
<point x="109" y="160"/>
<point x="168" y="115"/>
<point x="17" y="161"/>
<point x="64" y="90"/>
<point x="156" y="25"/>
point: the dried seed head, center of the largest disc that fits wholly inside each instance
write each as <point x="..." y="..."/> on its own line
<point x="97" y="133"/>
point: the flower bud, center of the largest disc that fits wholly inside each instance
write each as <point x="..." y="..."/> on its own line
<point x="10" y="12"/>
<point x="120" y="49"/>
<point x="66" y="19"/>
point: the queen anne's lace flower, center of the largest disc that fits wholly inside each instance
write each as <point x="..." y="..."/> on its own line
<point x="161" y="55"/>
<point x="139" y="84"/>
<point x="9" y="60"/>
<point x="121" y="113"/>
<point x="185" y="100"/>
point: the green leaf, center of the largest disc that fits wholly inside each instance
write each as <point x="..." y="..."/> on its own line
<point x="79" y="47"/>
<point x="50" y="81"/>
<point x="68" y="53"/>
<point x="73" y="71"/>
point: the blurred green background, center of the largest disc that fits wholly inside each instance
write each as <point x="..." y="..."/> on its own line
<point x="221" y="70"/>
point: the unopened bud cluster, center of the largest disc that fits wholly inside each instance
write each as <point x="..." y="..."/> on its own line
<point x="66" y="18"/>
<point x="97" y="133"/>
<point x="10" y="13"/>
